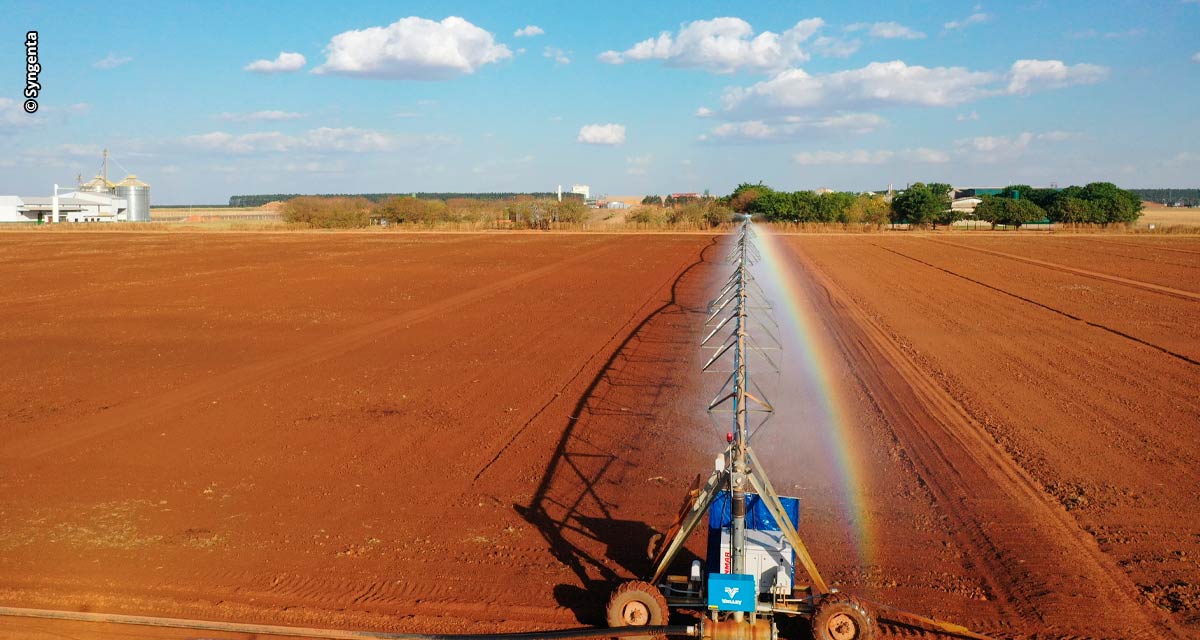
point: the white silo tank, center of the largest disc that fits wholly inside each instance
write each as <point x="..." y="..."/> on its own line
<point x="137" y="194"/>
<point x="97" y="185"/>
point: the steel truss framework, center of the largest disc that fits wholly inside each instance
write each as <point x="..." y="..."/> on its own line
<point x="742" y="335"/>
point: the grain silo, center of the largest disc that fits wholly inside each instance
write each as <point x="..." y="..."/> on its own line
<point x="99" y="184"/>
<point x="137" y="194"/>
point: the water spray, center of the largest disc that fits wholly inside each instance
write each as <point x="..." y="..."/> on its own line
<point x="753" y="530"/>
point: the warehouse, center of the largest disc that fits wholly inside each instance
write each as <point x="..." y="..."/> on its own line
<point x="76" y="206"/>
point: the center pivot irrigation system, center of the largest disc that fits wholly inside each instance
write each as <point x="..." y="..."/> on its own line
<point x="753" y="543"/>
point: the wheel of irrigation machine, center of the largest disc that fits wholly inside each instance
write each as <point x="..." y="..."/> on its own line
<point x="842" y="617"/>
<point x="637" y="604"/>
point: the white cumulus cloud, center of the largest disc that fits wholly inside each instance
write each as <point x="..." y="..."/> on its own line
<point x="875" y="85"/>
<point x="963" y="117"/>
<point x="886" y="30"/>
<point x="836" y="47"/>
<point x="865" y="157"/>
<point x="974" y="18"/>
<point x="413" y="48"/>
<point x="1026" y="76"/>
<point x="111" y="61"/>
<point x="557" y="55"/>
<point x="722" y="45"/>
<point x="638" y="165"/>
<point x="609" y="134"/>
<point x="611" y="57"/>
<point x="13" y="117"/>
<point x="320" y="140"/>
<point x="528" y="31"/>
<point x="1108" y="35"/>
<point x="895" y="83"/>
<point x="794" y="127"/>
<point x="285" y="62"/>
<point x="259" y="116"/>
<point x="996" y="148"/>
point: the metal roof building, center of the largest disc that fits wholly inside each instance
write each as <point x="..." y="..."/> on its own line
<point x="72" y="207"/>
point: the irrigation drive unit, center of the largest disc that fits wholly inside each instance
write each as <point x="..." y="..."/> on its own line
<point x="769" y="557"/>
<point x="757" y="568"/>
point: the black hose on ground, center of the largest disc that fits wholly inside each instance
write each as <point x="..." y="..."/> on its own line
<point x="331" y="634"/>
<point x="567" y="634"/>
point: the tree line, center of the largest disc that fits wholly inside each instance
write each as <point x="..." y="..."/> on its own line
<point x="808" y="206"/>
<point x="258" y="200"/>
<point x="673" y="201"/>
<point x="1186" y="197"/>
<point x="348" y="212"/>
<point x="1093" y="203"/>
<point x="929" y="204"/>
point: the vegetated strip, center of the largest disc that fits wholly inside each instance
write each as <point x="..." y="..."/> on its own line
<point x="671" y="282"/>
<point x="1072" y="316"/>
<point x="971" y="477"/>
<point x="1156" y="288"/>
<point x="126" y="415"/>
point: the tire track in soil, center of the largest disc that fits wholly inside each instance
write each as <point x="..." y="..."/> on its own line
<point x="1034" y="556"/>
<point x="1097" y="325"/>
<point x="1154" y="246"/>
<point x="1067" y="243"/>
<point x="393" y="607"/>
<point x="606" y="348"/>
<point x="1147" y="286"/>
<point x="95" y="290"/>
<point x="140" y="412"/>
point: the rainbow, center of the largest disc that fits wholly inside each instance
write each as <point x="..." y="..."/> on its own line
<point x="798" y="325"/>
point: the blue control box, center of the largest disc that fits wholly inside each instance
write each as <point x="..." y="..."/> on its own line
<point x="732" y="592"/>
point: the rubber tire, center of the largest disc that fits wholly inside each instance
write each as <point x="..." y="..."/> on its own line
<point x="641" y="592"/>
<point x="836" y="604"/>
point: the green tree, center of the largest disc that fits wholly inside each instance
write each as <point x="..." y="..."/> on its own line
<point x="1113" y="203"/>
<point x="652" y="200"/>
<point x="834" y="207"/>
<point x="869" y="210"/>
<point x="746" y="193"/>
<point x="1043" y="198"/>
<point x="945" y="194"/>
<point x="409" y="209"/>
<point x="705" y="212"/>
<point x="568" y="210"/>
<point x="328" y="213"/>
<point x="1001" y="210"/>
<point x="774" y="206"/>
<point x="1074" y="210"/>
<point x="645" y="216"/>
<point x="805" y="204"/>
<point x="918" y="205"/>
<point x="1012" y="190"/>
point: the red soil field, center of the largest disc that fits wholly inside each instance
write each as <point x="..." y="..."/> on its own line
<point x="475" y="433"/>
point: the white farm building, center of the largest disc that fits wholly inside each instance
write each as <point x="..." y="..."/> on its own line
<point x="75" y="206"/>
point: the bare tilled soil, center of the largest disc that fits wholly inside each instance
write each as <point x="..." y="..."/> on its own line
<point x="481" y="433"/>
<point x="1058" y="413"/>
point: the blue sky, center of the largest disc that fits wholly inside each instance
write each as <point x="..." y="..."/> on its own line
<point x="208" y="99"/>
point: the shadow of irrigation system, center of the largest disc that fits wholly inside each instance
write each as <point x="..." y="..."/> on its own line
<point x="642" y="375"/>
